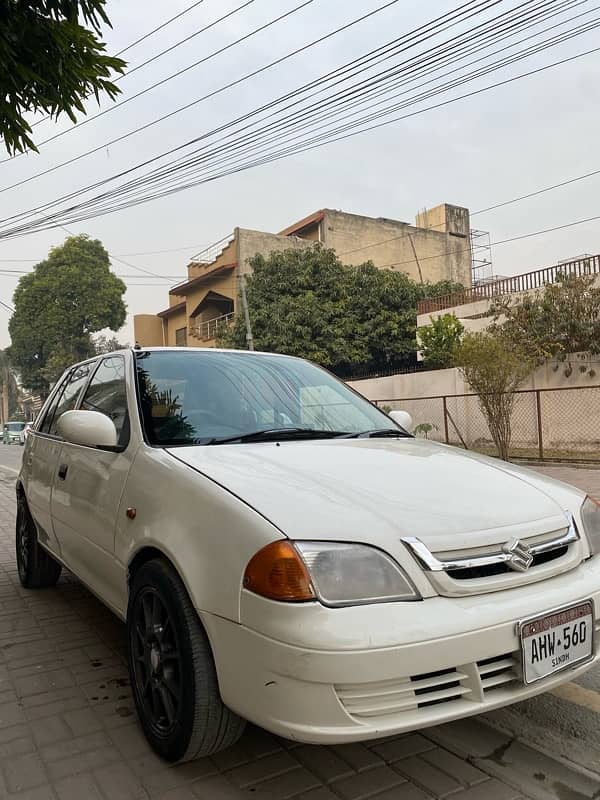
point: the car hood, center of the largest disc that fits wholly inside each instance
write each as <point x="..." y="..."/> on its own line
<point x="378" y="490"/>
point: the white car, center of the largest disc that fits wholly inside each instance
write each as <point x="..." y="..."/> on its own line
<point x="283" y="552"/>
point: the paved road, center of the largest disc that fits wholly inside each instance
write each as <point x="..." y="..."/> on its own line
<point x="10" y="456"/>
<point x="68" y="728"/>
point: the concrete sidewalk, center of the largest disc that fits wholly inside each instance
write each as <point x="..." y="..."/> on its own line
<point x="68" y="729"/>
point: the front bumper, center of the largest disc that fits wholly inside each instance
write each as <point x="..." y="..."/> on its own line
<point x="329" y="676"/>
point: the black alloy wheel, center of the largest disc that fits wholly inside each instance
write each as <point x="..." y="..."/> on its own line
<point x="156" y="661"/>
<point x="172" y="670"/>
<point x="37" y="569"/>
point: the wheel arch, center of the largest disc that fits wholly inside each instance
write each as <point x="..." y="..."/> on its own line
<point x="143" y="556"/>
<point x="150" y="552"/>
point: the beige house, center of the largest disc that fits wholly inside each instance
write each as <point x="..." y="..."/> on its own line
<point x="436" y="248"/>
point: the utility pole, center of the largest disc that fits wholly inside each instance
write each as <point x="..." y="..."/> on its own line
<point x="249" y="337"/>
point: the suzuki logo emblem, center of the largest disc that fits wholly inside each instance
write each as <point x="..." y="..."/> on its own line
<point x="520" y="558"/>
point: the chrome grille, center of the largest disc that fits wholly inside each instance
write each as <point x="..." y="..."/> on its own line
<point x="498" y="565"/>
<point x="489" y="570"/>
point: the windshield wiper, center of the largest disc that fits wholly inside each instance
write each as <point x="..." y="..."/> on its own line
<point x="378" y="433"/>
<point x="275" y="434"/>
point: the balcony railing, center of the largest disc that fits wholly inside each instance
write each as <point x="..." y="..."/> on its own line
<point x="212" y="327"/>
<point x="210" y="253"/>
<point x="589" y="265"/>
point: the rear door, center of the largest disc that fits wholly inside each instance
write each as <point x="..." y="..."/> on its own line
<point x="42" y="451"/>
<point x="88" y="486"/>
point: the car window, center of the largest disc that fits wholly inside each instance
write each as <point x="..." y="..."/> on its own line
<point x="70" y="394"/>
<point x="107" y="393"/>
<point x="44" y="425"/>
<point x="190" y="397"/>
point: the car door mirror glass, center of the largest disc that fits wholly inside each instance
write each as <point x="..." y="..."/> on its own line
<point x="89" y="428"/>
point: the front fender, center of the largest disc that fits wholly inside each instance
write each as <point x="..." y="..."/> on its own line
<point x="207" y="533"/>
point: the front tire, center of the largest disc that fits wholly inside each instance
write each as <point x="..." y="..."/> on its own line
<point x="37" y="569"/>
<point x="172" y="671"/>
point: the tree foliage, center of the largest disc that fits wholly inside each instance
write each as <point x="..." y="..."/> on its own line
<point x="104" y="344"/>
<point x="307" y="303"/>
<point x="440" y="339"/>
<point x="494" y="368"/>
<point x="50" y="62"/>
<point x="58" y="306"/>
<point x="562" y="318"/>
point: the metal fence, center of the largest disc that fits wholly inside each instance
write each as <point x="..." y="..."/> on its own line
<point x="547" y="424"/>
<point x="586" y="265"/>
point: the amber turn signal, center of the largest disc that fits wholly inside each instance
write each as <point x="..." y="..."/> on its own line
<point x="278" y="572"/>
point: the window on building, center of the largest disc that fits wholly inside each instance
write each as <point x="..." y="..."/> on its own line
<point x="107" y="393"/>
<point x="181" y="337"/>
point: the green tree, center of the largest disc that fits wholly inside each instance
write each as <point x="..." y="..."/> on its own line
<point x="440" y="339"/>
<point x="50" y="62"/>
<point x="58" y="306"/>
<point x="307" y="303"/>
<point x="494" y="368"/>
<point x="106" y="344"/>
<point x="562" y="318"/>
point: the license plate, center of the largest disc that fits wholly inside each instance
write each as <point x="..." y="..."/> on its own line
<point x="556" y="641"/>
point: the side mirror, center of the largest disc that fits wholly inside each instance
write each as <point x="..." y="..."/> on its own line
<point x="90" y="428"/>
<point x="403" y="418"/>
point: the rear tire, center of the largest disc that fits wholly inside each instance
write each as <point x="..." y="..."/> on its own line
<point x="172" y="671"/>
<point x="37" y="568"/>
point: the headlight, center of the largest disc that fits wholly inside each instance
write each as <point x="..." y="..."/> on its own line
<point x="590" y="515"/>
<point x="335" y="573"/>
<point x="351" y="574"/>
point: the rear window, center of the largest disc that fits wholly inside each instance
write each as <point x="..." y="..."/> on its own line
<point x="15" y="427"/>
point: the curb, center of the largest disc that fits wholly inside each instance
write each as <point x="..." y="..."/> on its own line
<point x="517" y="763"/>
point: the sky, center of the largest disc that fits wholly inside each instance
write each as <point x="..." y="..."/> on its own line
<point x="476" y="152"/>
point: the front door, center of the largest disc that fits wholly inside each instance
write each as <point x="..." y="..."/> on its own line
<point x="88" y="485"/>
<point x="42" y="451"/>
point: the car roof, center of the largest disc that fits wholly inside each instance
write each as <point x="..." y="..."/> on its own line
<point x="206" y="350"/>
<point x="139" y="349"/>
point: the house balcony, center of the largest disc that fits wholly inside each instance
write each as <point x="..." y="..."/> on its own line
<point x="211" y="329"/>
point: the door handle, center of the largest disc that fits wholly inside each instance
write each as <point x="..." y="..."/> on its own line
<point x="62" y="471"/>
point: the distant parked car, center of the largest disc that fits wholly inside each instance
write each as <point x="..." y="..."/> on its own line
<point x="12" y="432"/>
<point x="284" y="552"/>
<point x="24" y="433"/>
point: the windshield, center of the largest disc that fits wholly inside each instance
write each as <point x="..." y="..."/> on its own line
<point x="196" y="397"/>
<point x="15" y="427"/>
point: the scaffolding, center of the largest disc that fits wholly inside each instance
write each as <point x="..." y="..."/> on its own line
<point x="481" y="258"/>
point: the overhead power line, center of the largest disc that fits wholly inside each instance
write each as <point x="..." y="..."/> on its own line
<point x="518" y="238"/>
<point x="296" y="148"/>
<point x="159" y="27"/>
<point x="182" y="71"/>
<point x="185" y="40"/>
<point x="414" y="37"/>
<point x="537" y="192"/>
<point x="189" y="247"/>
<point x="139" y="41"/>
<point x="204" y="97"/>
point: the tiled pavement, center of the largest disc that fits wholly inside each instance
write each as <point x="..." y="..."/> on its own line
<point x="68" y="729"/>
